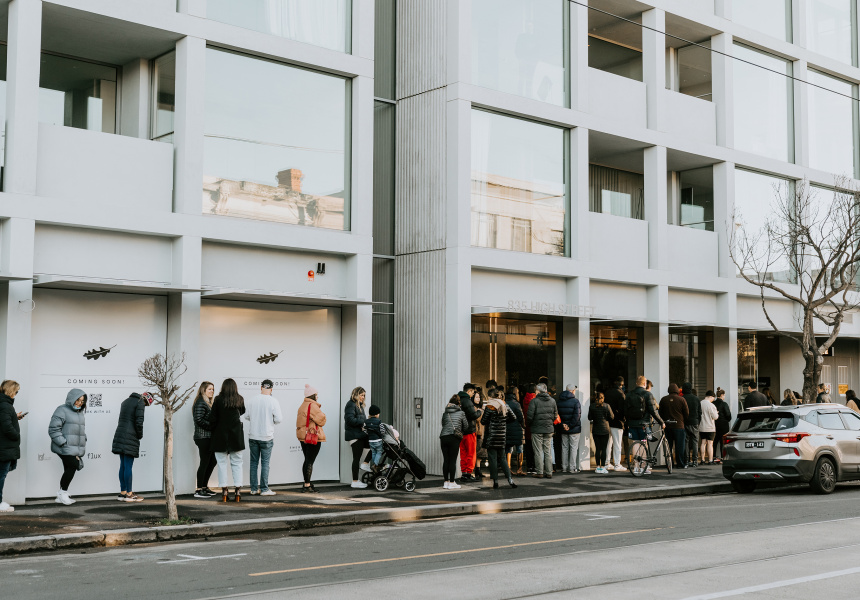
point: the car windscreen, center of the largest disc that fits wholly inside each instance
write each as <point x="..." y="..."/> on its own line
<point x="763" y="422"/>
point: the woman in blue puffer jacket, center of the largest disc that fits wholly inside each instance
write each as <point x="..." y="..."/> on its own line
<point x="69" y="439"/>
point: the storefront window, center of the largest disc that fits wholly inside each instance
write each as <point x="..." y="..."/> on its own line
<point x="518" y="185"/>
<point x="830" y="28"/>
<point x="79" y="94"/>
<point x="616" y="192"/>
<point x="615" y="351"/>
<point x="832" y="124"/>
<point x="276" y="142"/>
<point x="514" y="351"/>
<point x="518" y="47"/>
<point x="764" y="122"/>
<point x="697" y="198"/>
<point x="163" y="97"/>
<point x="691" y="354"/>
<point x="323" y="23"/>
<point x="772" y="17"/>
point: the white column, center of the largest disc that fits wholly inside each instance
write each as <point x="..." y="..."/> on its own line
<point x="195" y="8"/>
<point x="189" y="125"/>
<point x="723" y="8"/>
<point x="724" y="194"/>
<point x="576" y="351"/>
<point x="579" y="217"/>
<point x="362" y="28"/>
<point x="654" y="65"/>
<point x="16" y="257"/>
<point x="361" y="194"/>
<point x="726" y="365"/>
<point x="656" y="190"/>
<point x="579" y="55"/>
<point x="459" y="42"/>
<point x="801" y="113"/>
<point x="22" y="96"/>
<point x="722" y="84"/>
<point x="136" y="91"/>
<point x="656" y="343"/>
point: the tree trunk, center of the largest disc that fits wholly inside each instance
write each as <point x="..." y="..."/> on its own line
<point x="169" y="493"/>
<point x="811" y="376"/>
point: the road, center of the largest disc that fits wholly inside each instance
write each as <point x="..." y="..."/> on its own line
<point x="776" y="544"/>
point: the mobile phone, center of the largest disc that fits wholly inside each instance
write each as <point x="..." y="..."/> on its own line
<point x="25" y="414"/>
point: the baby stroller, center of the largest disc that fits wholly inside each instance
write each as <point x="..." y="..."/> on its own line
<point x="404" y="465"/>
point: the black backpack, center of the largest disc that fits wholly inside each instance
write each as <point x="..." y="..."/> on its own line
<point x="634" y="406"/>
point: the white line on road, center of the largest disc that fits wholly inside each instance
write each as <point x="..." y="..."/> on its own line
<point x="189" y="558"/>
<point x="599" y="517"/>
<point x="776" y="584"/>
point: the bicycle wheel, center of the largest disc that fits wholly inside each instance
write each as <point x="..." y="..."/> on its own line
<point x="638" y="463"/>
<point x="667" y="456"/>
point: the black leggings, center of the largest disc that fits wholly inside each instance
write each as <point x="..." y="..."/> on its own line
<point x="207" y="463"/>
<point x="358" y="448"/>
<point x="497" y="458"/>
<point x="600" y="442"/>
<point x="310" y="451"/>
<point x="450" y="449"/>
<point x="70" y="467"/>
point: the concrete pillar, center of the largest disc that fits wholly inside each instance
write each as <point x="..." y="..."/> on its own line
<point x="22" y="96"/>
<point x="722" y="78"/>
<point x="654" y="65"/>
<point x="579" y="217"/>
<point x="361" y="196"/>
<point x="195" y="8"/>
<point x="189" y="125"/>
<point x="576" y="357"/>
<point x="723" y="8"/>
<point x="579" y="55"/>
<point x="656" y="209"/>
<point x="135" y="103"/>
<point x="362" y="30"/>
<point x="724" y="200"/>
<point x="656" y="342"/>
<point x="726" y="365"/>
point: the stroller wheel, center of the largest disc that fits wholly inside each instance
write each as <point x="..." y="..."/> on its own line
<point x="410" y="486"/>
<point x="366" y="477"/>
<point x="399" y="483"/>
<point x="381" y="483"/>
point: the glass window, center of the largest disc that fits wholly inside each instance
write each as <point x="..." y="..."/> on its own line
<point x="384" y="49"/>
<point x="697" y="198"/>
<point x="763" y="105"/>
<point x="830" y="28"/>
<point x="3" y="104"/>
<point x="764" y="422"/>
<point x="615" y="192"/>
<point x="276" y="142"/>
<point x="852" y="421"/>
<point x="772" y="17"/>
<point x="518" y="47"/>
<point x="78" y="94"/>
<point x="614" y="58"/>
<point x="832" y="124"/>
<point x="325" y="23"/>
<point x="163" y="97"/>
<point x="694" y="71"/>
<point x="830" y="420"/>
<point x="519" y="193"/>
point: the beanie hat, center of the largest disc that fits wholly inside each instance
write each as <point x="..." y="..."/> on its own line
<point x="310" y="391"/>
<point x="147" y="397"/>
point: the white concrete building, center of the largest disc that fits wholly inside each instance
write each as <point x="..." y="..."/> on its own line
<point x="399" y="194"/>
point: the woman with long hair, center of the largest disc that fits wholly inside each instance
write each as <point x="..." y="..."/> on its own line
<point x="515" y="432"/>
<point x="354" y="416"/>
<point x="787" y="398"/>
<point x="201" y="409"/>
<point x="708" y="428"/>
<point x="10" y="435"/>
<point x="310" y="420"/>
<point x="454" y="423"/>
<point x="228" y="436"/>
<point x="722" y="424"/>
<point x="599" y="413"/>
<point x="769" y="395"/>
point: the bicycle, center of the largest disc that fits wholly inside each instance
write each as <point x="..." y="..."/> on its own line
<point x="641" y="459"/>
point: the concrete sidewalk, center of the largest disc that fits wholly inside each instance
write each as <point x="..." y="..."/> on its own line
<point x="45" y="525"/>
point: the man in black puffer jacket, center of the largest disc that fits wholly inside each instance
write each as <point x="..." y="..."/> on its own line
<point x="691" y="426"/>
<point x="615" y="399"/>
<point x="570" y="411"/>
<point x="468" y="445"/>
<point x="126" y="441"/>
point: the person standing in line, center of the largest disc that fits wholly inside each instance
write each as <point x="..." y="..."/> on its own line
<point x="570" y="411"/>
<point x="798" y="398"/>
<point x="600" y="414"/>
<point x="639" y="411"/>
<point x="10" y="435"/>
<point x="851" y="401"/>
<point x="691" y="429"/>
<point x="454" y="422"/>
<point x="126" y="441"/>
<point x="614" y="398"/>
<point x="201" y="410"/>
<point x="675" y="412"/>
<point x="770" y="397"/>
<point x="754" y="397"/>
<point x="68" y="433"/>
<point x="228" y="437"/>
<point x="528" y="449"/>
<point x="480" y="401"/>
<point x="264" y="412"/>
<point x="708" y="428"/>
<point x="823" y="395"/>
<point x="354" y="417"/>
<point x="495" y="420"/>
<point x="514" y="432"/>
<point x="310" y="420"/>
<point x="468" y="445"/>
<point x="541" y="413"/>
<point x="787" y="398"/>
<point x="722" y="425"/>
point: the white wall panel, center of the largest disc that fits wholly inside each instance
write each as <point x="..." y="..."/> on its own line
<point x="494" y="289"/>
<point x="692" y="307"/>
<point x="619" y="301"/>
<point x="618" y="98"/>
<point x="689" y="117"/>
<point x="751" y="316"/>
<point x="693" y="251"/>
<point x="605" y="232"/>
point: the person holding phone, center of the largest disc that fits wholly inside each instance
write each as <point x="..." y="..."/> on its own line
<point x="10" y="435"/>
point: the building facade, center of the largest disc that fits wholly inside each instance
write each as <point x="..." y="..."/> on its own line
<point x="399" y="194"/>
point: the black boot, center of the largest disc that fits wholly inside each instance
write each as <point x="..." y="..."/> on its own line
<point x="512" y="484"/>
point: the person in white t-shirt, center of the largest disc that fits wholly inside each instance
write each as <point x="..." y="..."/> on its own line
<point x="707" y="428"/>
<point x="263" y="412"/>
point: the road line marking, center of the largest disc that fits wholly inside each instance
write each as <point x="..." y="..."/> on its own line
<point x="599" y="517"/>
<point x="776" y="584"/>
<point x="452" y="552"/>
<point x="189" y="558"/>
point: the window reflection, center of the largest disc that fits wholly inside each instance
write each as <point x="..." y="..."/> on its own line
<point x="276" y="142"/>
<point x="77" y="94"/>
<point x="164" y="97"/>
<point x="614" y="58"/>
<point x="772" y="17"/>
<point x="832" y="124"/>
<point x="616" y="192"/>
<point x="518" y="185"/>
<point x="697" y="198"/>
<point x="830" y="27"/>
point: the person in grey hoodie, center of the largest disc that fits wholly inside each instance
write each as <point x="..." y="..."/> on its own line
<point x="540" y="416"/>
<point x="454" y="423"/>
<point x="69" y="439"/>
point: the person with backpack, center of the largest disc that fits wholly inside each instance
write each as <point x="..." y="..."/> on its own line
<point x="514" y="432"/>
<point x="615" y="400"/>
<point x="640" y="411"/>
<point x="570" y="412"/>
<point x="675" y="413"/>
<point x="691" y="429"/>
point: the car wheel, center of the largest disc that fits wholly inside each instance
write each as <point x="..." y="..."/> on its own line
<point x="743" y="486"/>
<point x="824" y="477"/>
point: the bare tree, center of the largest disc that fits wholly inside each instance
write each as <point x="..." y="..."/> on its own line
<point x="161" y="374"/>
<point x="808" y="252"/>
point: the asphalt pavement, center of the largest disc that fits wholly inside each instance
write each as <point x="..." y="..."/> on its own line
<point x="786" y="543"/>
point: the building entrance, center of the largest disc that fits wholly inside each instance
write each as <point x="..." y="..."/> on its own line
<point x="615" y="350"/>
<point x="514" y="351"/>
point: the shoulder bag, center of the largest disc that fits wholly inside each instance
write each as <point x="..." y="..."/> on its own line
<point x="310" y="438"/>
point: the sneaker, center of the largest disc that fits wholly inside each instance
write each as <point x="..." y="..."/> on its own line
<point x="64" y="498"/>
<point x="255" y="492"/>
<point x="365" y="466"/>
<point x="445" y="487"/>
<point x="453" y="486"/>
<point x="308" y="490"/>
<point x="620" y="468"/>
<point x="122" y="498"/>
<point x="608" y="468"/>
<point x="268" y="493"/>
<point x="209" y="492"/>
<point x="4" y="507"/>
<point x="358" y="485"/>
<point x="134" y="498"/>
<point x="647" y="471"/>
<point x="197" y="494"/>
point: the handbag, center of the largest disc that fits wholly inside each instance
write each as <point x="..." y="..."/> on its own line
<point x="310" y="438"/>
<point x="80" y="462"/>
<point x="557" y="419"/>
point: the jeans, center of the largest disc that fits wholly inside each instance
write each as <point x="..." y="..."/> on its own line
<point x="468" y="449"/>
<point x="542" y="444"/>
<point x="615" y="438"/>
<point x="691" y="453"/>
<point x="5" y="467"/>
<point x="358" y="447"/>
<point x="601" y="441"/>
<point x="310" y="452"/>
<point x="497" y="457"/>
<point x="377" y="452"/>
<point x="234" y="460"/>
<point x="207" y="463"/>
<point x="261" y="451"/>
<point x="70" y="467"/>
<point x="677" y="439"/>
<point x="450" y="448"/>
<point x="126" y="461"/>
<point x="570" y="460"/>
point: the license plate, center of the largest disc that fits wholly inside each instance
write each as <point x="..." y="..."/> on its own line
<point x="754" y="445"/>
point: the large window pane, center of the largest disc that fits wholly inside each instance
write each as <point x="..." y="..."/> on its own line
<point x="772" y="17"/>
<point x="832" y="124"/>
<point x="829" y="28"/>
<point x="384" y="48"/>
<point x="3" y="105"/>
<point x="518" y="47"/>
<point x="697" y="198"/>
<point x="164" y="97"/>
<point x="763" y="104"/>
<point x="78" y="94"/>
<point x="614" y="58"/>
<point x="615" y="192"/>
<point x="518" y="185"/>
<point x="323" y="23"/>
<point x="276" y="142"/>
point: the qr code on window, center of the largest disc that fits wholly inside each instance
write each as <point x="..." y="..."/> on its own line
<point x="95" y="400"/>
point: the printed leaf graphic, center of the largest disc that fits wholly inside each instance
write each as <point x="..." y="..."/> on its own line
<point x="97" y="354"/>
<point x="267" y="358"/>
